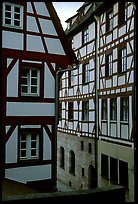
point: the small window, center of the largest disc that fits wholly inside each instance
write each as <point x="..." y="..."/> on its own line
<point x="72" y="162"/>
<point x="85" y="110"/>
<point x="104" y="165"/>
<point x="62" y="157"/>
<point x="82" y="145"/>
<point x="29" y="145"/>
<point x="70" y="111"/>
<point x="123" y="173"/>
<point x="70" y="78"/>
<point x="109" y="65"/>
<point x="82" y="170"/>
<point x="90" y="147"/>
<point x="85" y="73"/>
<point x="109" y="21"/>
<point x="12" y="15"/>
<point x="30" y="79"/>
<point x="104" y="109"/>
<point x="85" y="36"/>
<point x="113" y="109"/>
<point x="113" y="170"/>
<point x="124" y="109"/>
<point x="122" y="60"/>
<point x="60" y="110"/>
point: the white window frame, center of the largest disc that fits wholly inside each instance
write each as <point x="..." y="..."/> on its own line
<point x="85" y="110"/>
<point x="12" y="18"/>
<point x="28" y="147"/>
<point x="123" y="59"/>
<point x="28" y="84"/>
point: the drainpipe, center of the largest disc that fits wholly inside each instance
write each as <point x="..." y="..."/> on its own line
<point x="96" y="98"/>
<point x="58" y="73"/>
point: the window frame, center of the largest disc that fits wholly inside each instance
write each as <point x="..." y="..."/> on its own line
<point x="40" y="79"/>
<point x="13" y="13"/>
<point x="126" y="107"/>
<point x="85" y="36"/>
<point x="70" y="111"/>
<point x="104" y="109"/>
<point x="121" y="12"/>
<point x="109" y="21"/>
<point x="113" y="109"/>
<point x="109" y="65"/>
<point x="85" y="110"/>
<point x="122" y="60"/>
<point x="85" y="73"/>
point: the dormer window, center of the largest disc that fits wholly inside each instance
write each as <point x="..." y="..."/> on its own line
<point x="12" y="15"/>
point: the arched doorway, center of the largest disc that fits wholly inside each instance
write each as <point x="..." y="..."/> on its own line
<point x="91" y="177"/>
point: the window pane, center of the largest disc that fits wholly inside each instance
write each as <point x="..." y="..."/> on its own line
<point x="33" y="89"/>
<point x="24" y="72"/>
<point x="8" y="7"/>
<point x="23" y="145"/>
<point x="23" y="137"/>
<point x="17" y="9"/>
<point x="23" y="153"/>
<point x="7" y="14"/>
<point x="33" y="136"/>
<point x="34" y="81"/>
<point x="24" y="89"/>
<point x="34" y="73"/>
<point x="33" y="152"/>
<point x="16" y="23"/>
<point x="24" y="81"/>
<point x="17" y="16"/>
<point x="33" y="144"/>
<point x="8" y="21"/>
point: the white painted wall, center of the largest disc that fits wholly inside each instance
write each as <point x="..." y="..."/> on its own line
<point x="46" y="146"/>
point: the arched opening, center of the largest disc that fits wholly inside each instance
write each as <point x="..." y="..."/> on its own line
<point x="91" y="177"/>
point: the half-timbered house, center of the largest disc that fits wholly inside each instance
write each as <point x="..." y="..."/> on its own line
<point x="96" y="137"/>
<point x="34" y="48"/>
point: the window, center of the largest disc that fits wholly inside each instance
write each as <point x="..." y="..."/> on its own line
<point x="123" y="173"/>
<point x="109" y="65"/>
<point x="85" y="110"/>
<point x="29" y="145"/>
<point x="104" y="109"/>
<point x="122" y="60"/>
<point x="72" y="162"/>
<point x="12" y="15"/>
<point x="113" y="109"/>
<point x="113" y="170"/>
<point x="62" y="157"/>
<point x="104" y="165"/>
<point x="70" y="110"/>
<point x="85" y="73"/>
<point x="85" y="36"/>
<point x="82" y="170"/>
<point x="90" y="147"/>
<point x="70" y="78"/>
<point x="124" y="109"/>
<point x="82" y="145"/>
<point x="109" y="21"/>
<point x="60" y="110"/>
<point x="30" y="79"/>
<point x="121" y="12"/>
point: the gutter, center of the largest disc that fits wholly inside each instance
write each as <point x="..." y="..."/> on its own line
<point x="58" y="75"/>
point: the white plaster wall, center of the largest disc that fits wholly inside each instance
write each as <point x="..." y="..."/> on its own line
<point x="54" y="46"/>
<point x="30" y="173"/>
<point x="30" y="109"/>
<point x="47" y="27"/>
<point x="121" y="80"/>
<point x="29" y="7"/>
<point x="34" y="43"/>
<point x="12" y="81"/>
<point x="92" y="31"/>
<point x="47" y="154"/>
<point x="12" y="40"/>
<point x="32" y="24"/>
<point x="12" y="147"/>
<point x="77" y="40"/>
<point x="41" y="8"/>
<point x="49" y="83"/>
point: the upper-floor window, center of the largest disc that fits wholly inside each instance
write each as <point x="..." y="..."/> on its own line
<point x="12" y="15"/>
<point x="124" y="108"/>
<point x="85" y="73"/>
<point x="70" y="111"/>
<point x="121" y="12"/>
<point x="85" y="36"/>
<point x="109" y="65"/>
<point x="85" y="110"/>
<point x="122" y="60"/>
<point x="70" y="78"/>
<point x="113" y="109"/>
<point x="30" y="79"/>
<point x="29" y="145"/>
<point x="104" y="109"/>
<point x="109" y="21"/>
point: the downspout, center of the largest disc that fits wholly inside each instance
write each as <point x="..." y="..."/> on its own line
<point x="96" y="99"/>
<point x="60" y="71"/>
